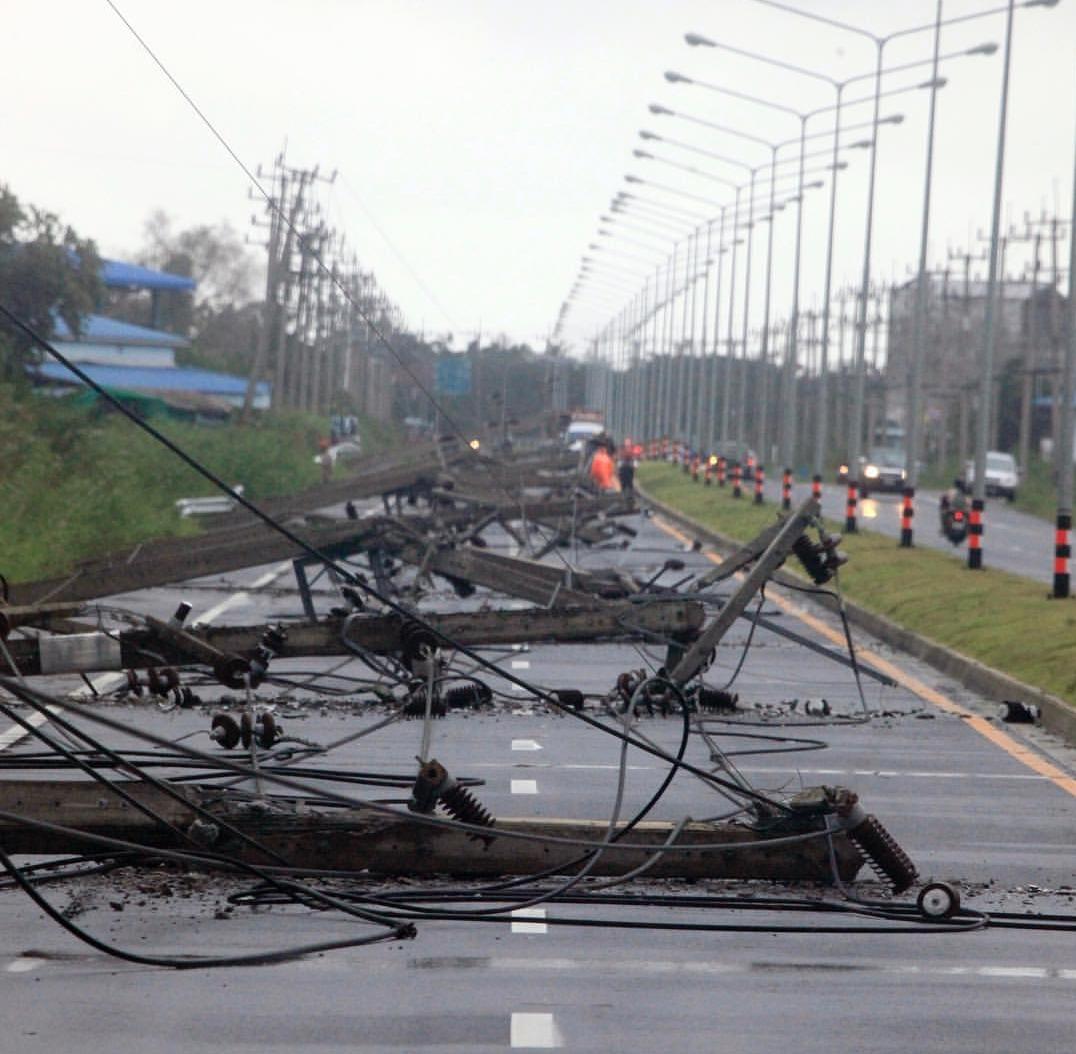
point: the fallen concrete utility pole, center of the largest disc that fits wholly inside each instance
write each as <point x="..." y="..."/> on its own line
<point x="382" y="634"/>
<point x="747" y="553"/>
<point x="40" y="616"/>
<point x="146" y="567"/>
<point x="772" y="557"/>
<point x="364" y="840"/>
<point x="250" y="543"/>
<point x="544" y="584"/>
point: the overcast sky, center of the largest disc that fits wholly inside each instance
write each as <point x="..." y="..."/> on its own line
<point x="478" y="141"/>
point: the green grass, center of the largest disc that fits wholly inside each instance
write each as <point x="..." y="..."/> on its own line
<point x="76" y="483"/>
<point x="1000" y="619"/>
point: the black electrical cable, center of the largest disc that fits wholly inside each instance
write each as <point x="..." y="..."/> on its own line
<point x="394" y="931"/>
<point x="117" y="788"/>
<point x="95" y="716"/>
<point x="548" y="698"/>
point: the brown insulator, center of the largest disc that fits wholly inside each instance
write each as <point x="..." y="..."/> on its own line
<point x="884" y="855"/>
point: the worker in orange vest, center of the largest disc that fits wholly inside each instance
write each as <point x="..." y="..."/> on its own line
<point x="602" y="470"/>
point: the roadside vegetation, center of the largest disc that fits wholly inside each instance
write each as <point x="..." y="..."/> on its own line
<point x="1036" y="495"/>
<point x="1002" y="620"/>
<point x="77" y="483"/>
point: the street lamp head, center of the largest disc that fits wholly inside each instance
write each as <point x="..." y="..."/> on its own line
<point x="634" y="179"/>
<point x="661" y="110"/>
<point x="897" y="118"/>
<point x="643" y="134"/>
<point x="815" y="185"/>
<point x="840" y="166"/>
<point x="983" y="49"/>
<point x="1041" y="3"/>
<point x="934" y="82"/>
<point x="697" y="40"/>
<point x="676" y="78"/>
<point x="643" y="154"/>
<point x="862" y="144"/>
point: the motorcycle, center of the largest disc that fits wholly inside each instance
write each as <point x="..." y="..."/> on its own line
<point x="954" y="518"/>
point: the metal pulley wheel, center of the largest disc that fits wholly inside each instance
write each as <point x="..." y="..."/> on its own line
<point x="937" y="900"/>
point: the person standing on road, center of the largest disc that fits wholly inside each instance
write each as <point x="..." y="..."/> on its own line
<point x="601" y="469"/>
<point x="625" y="469"/>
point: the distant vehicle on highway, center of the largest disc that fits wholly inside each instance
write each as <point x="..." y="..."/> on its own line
<point x="345" y="451"/>
<point x="736" y="453"/>
<point x="578" y="432"/>
<point x="882" y="469"/>
<point x="1002" y="475"/>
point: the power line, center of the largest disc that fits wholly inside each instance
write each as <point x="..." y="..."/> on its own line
<point x="303" y="241"/>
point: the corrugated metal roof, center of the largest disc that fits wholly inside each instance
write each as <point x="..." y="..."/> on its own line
<point x="116" y="274"/>
<point x="174" y="379"/>
<point x="97" y="329"/>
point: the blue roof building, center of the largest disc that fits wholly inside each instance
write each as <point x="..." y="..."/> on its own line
<point x="127" y="358"/>
<point x="116" y="274"/>
<point x="226" y="389"/>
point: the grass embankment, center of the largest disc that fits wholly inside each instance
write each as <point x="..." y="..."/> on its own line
<point x="1000" y="619"/>
<point x="76" y="484"/>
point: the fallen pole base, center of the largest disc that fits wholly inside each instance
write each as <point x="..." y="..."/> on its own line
<point x="362" y="840"/>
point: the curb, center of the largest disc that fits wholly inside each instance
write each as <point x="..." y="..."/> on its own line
<point x="1056" y="716"/>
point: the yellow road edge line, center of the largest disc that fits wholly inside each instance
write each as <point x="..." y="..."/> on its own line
<point x="1016" y="750"/>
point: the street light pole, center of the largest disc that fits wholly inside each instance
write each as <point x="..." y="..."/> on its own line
<point x="764" y="350"/>
<point x="711" y="395"/>
<point x="726" y="392"/>
<point x="912" y="429"/>
<point x="700" y="380"/>
<point x="855" y="431"/>
<point x="788" y="417"/>
<point x="1063" y="458"/>
<point x="742" y="416"/>
<point x="978" y="502"/>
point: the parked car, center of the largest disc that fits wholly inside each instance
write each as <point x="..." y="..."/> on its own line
<point x="1002" y="475"/>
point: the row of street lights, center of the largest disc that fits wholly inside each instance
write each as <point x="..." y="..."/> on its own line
<point x="648" y="224"/>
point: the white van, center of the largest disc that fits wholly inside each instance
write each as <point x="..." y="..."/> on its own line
<point x="578" y="432"/>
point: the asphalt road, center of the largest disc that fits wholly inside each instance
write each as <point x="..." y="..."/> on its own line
<point x="1013" y="541"/>
<point x="985" y="806"/>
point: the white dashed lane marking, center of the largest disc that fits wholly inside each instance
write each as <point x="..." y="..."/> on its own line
<point x="529" y="927"/>
<point x="525" y="744"/>
<point x="524" y="786"/>
<point x="538" y="1031"/>
<point x="24" y="963"/>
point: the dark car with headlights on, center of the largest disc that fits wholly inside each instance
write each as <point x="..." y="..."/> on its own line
<point x="883" y="469"/>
